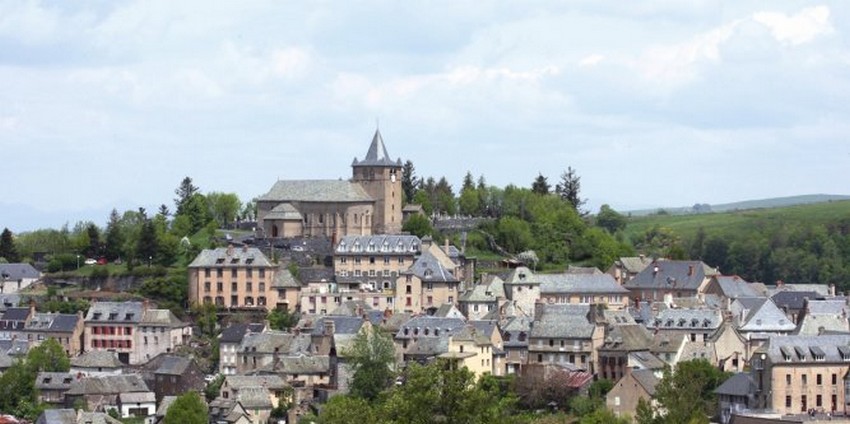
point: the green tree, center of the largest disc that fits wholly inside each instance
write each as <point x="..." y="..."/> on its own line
<point x="8" y="249"/>
<point x="280" y="319"/>
<point x="409" y="184"/>
<point x="49" y="356"/>
<point x="685" y="395"/>
<point x="114" y="243"/>
<point x="541" y="185"/>
<point x="206" y="319"/>
<point x="198" y="212"/>
<point x="418" y="225"/>
<point x="184" y="192"/>
<point x="146" y="246"/>
<point x="214" y="388"/>
<point x="421" y="198"/>
<point x="94" y="246"/>
<point x="371" y="358"/>
<point x="224" y="207"/>
<point x="348" y="409"/>
<point x="569" y="188"/>
<point x="513" y="234"/>
<point x="188" y="408"/>
<point x="603" y="416"/>
<point x="610" y="219"/>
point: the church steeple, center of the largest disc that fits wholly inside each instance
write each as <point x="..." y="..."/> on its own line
<point x="377" y="154"/>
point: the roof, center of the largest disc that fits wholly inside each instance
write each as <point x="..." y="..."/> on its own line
<point x="315" y="274"/>
<point x="687" y="275"/>
<point x="421" y="325"/>
<point x="572" y="269"/>
<point x="70" y="416"/>
<point x="173" y="365"/>
<point x="824" y="315"/>
<point x="740" y="384"/>
<point x="284" y="212"/>
<point x="563" y="321"/>
<point x="428" y="346"/>
<point x="235" y="332"/>
<point x="686" y="319"/>
<point x="336" y="191"/>
<point x="16" y="314"/>
<point x="521" y="275"/>
<point x="627" y="338"/>
<point x="377" y="154"/>
<point x="254" y="398"/>
<point x="283" y="278"/>
<point x="796" y="349"/>
<point x="6" y="361"/>
<point x="667" y="341"/>
<point x="229" y="257"/>
<point x="161" y="317"/>
<point x="164" y="404"/>
<point x="128" y="312"/>
<point x="428" y="268"/>
<point x="793" y="299"/>
<point x="471" y="334"/>
<point x="137" y="397"/>
<point x="448" y="310"/>
<point x="634" y="264"/>
<point x="18" y="271"/>
<point x="97" y="359"/>
<point x="382" y="243"/>
<point x="275" y="342"/>
<point x="486" y="327"/>
<point x="305" y="364"/>
<point x="109" y="384"/>
<point x="579" y="283"/>
<point x="734" y="286"/>
<point x="54" y="380"/>
<point x="646" y="360"/>
<point x="342" y="324"/>
<point x="647" y="380"/>
<point x="489" y="291"/>
<point x="760" y="315"/>
<point x="239" y="382"/>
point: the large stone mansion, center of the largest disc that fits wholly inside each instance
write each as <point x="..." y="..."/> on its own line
<point x="368" y="203"/>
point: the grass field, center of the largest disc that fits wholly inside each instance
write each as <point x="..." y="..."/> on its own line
<point x="726" y="223"/>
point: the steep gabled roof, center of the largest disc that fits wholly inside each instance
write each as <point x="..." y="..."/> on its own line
<point x="563" y="321"/>
<point x="740" y="384"/>
<point x="377" y="154"/>
<point x="18" y="271"/>
<point x="765" y="317"/>
<point x="734" y="286"/>
<point x="669" y="275"/>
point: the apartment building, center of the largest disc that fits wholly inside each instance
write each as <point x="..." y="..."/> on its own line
<point x="233" y="278"/>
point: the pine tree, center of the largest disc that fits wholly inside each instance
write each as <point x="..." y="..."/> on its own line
<point x="569" y="188"/>
<point x="184" y="192"/>
<point x="8" y="250"/>
<point x="541" y="185"/>
<point x="409" y="184"/>
<point x="114" y="237"/>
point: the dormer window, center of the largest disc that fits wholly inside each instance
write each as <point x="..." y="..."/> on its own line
<point x="706" y="322"/>
<point x="234" y="261"/>
<point x="845" y="352"/>
<point x="694" y="322"/>
<point x="682" y="322"/>
<point x="786" y="353"/>
<point x="817" y="353"/>
<point x="219" y="261"/>
<point x="113" y="316"/>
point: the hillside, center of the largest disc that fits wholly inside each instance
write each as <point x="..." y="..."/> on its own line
<point x="741" y="221"/>
<point x="774" y="202"/>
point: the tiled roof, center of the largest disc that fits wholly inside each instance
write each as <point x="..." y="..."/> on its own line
<point x="377" y="244"/>
<point x="521" y="275"/>
<point x="377" y="154"/>
<point x="70" y="416"/>
<point x="824" y="315"/>
<point x="228" y="257"/>
<point x="336" y="191"/>
<point x="305" y="364"/>
<point x="488" y="291"/>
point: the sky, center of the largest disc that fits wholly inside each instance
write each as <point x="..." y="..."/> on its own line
<point x="109" y="104"/>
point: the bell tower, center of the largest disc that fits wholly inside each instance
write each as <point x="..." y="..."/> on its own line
<point x="380" y="177"/>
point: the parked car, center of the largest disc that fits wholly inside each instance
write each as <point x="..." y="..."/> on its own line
<point x="91" y="261"/>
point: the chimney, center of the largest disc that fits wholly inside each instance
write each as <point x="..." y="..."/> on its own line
<point x="832" y="290"/>
<point x="446" y="247"/>
<point x="146" y="304"/>
<point x="329" y="327"/>
<point x="690" y="270"/>
<point x="230" y="250"/>
<point x="779" y="283"/>
<point x="538" y="310"/>
<point x="244" y="248"/>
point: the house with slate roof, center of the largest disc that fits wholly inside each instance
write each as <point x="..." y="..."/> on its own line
<point x="794" y="374"/>
<point x="669" y="279"/>
<point x="522" y="288"/>
<point x="13" y="322"/>
<point x="583" y="288"/>
<point x="128" y="394"/>
<point x="734" y="395"/>
<point x="480" y="299"/>
<point x="368" y="203"/>
<point x="97" y="363"/>
<point x="620" y="342"/>
<point x="623" y="398"/>
<point x="228" y="344"/>
<point x="233" y="278"/>
<point x="174" y="375"/>
<point x="471" y="349"/>
<point x="565" y="334"/>
<point x="515" y="332"/>
<point x="16" y="277"/>
<point x="757" y="319"/>
<point x="696" y="324"/>
<point x="730" y="287"/>
<point x="71" y="416"/>
<point x="429" y="282"/>
<point x="67" y="329"/>
<point x="258" y="350"/>
<point x="256" y="394"/>
<point x="626" y="268"/>
<point x="792" y="302"/>
<point x="433" y="331"/>
<point x="52" y="386"/>
<point x="819" y="316"/>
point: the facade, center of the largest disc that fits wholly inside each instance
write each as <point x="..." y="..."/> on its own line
<point x="626" y="268"/>
<point x="484" y="298"/>
<point x="623" y="398"/>
<point x="621" y="341"/>
<point x="67" y="329"/>
<point x="228" y="344"/>
<point x="795" y="374"/>
<point x="471" y="349"/>
<point x="232" y="278"/>
<point x="16" y="277"/>
<point x="666" y="279"/>
<point x="369" y="203"/>
<point x="429" y="283"/>
<point x="565" y="334"/>
<point x="572" y="288"/>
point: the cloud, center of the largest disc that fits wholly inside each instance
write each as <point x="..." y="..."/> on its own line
<point x="798" y="29"/>
<point x="591" y="60"/>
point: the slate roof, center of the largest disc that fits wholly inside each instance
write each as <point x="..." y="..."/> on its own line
<point x="107" y="385"/>
<point x="164" y="404"/>
<point x="275" y="341"/>
<point x="416" y="326"/>
<point x="254" y="398"/>
<point x="761" y="315"/>
<point x="618" y="317"/>
<point x="634" y="264"/>
<point x="305" y="364"/>
<point x="740" y="384"/>
<point x="239" y="382"/>
<point x="6" y="361"/>
<point x="115" y="312"/>
<point x="377" y="154"/>
<point x="572" y="269"/>
<point x="230" y="257"/>
<point x="794" y="299"/>
<point x="512" y="328"/>
<point x="173" y="365"/>
<point x="485" y="292"/>
<point x="284" y="212"/>
<point x="16" y="314"/>
<point x="377" y="244"/>
<point x="16" y="347"/>
<point x="563" y="321"/>
<point x="342" y="324"/>
<point x="137" y="397"/>
<point x="448" y="310"/>
<point x="471" y="334"/>
<point x="667" y="341"/>
<point x="646" y="360"/>
<point x="18" y="271"/>
<point x="627" y="338"/>
<point x="97" y="359"/>
<point x="284" y="279"/>
<point x="235" y="332"/>
<point x="687" y="275"/>
<point x="428" y="346"/>
<point x="54" y="380"/>
<point x="579" y="283"/>
<point x="70" y="416"/>
<point x="161" y="318"/>
<point x="686" y="319"/>
<point x="647" y="380"/>
<point x="734" y="286"/>
<point x="486" y="327"/>
<point x="521" y="275"/>
<point x="9" y="300"/>
<point x="315" y="274"/>
<point x="316" y="191"/>
<point x="428" y="268"/>
<point x="799" y="348"/>
<point x="824" y="315"/>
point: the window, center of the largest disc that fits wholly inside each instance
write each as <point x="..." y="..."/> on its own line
<point x="401" y="261"/>
<point x="234" y="301"/>
<point x="219" y="286"/>
<point x="451" y="299"/>
<point x="219" y="272"/>
<point x="819" y="380"/>
<point x="818" y="401"/>
<point x="430" y="300"/>
<point x="386" y="260"/>
<point x="249" y="286"/>
<point x="248" y="272"/>
<point x="262" y="287"/>
<point x="788" y="379"/>
<point x="356" y="261"/>
<point x="342" y="260"/>
<point x="407" y="303"/>
<point x="233" y="287"/>
<point x="805" y="379"/>
<point x="233" y="273"/>
<point x="372" y="260"/>
<point x="803" y="405"/>
<point x="787" y="401"/>
<point x="207" y="286"/>
<point x="834" y="379"/>
<point x="262" y="273"/>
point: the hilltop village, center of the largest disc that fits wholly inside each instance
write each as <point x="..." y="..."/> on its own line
<point x="278" y="321"/>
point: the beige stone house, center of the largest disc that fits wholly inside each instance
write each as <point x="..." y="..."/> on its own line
<point x="565" y="334"/>
<point x="232" y="277"/>
<point x="429" y="283"/>
<point x="471" y="349"/>
<point x="67" y="329"/>
<point x="368" y="203"/>
<point x="623" y="398"/>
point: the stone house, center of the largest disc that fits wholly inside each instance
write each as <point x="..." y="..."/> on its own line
<point x="623" y="398"/>
<point x="67" y="329"/>
<point x="620" y="342"/>
<point x="626" y="268"/>
<point x="52" y="386"/>
<point x="565" y="334"/>
<point x="481" y="299"/>
<point x="736" y="394"/>
<point x="670" y="279"/>
<point x="127" y="394"/>
<point x="257" y="394"/>
<point x="471" y="349"/>
<point x="594" y="289"/>
<point x="97" y="363"/>
<point x="228" y="345"/>
<point x="233" y="278"/>
<point x="429" y="283"/>
<point x="16" y="277"/>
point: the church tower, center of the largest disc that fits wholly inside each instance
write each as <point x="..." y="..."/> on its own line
<point x="380" y="177"/>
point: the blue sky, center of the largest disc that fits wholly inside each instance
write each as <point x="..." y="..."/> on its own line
<point x="656" y="103"/>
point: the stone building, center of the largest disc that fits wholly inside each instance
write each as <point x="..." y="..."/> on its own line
<point x="231" y="277"/>
<point x="368" y="203"/>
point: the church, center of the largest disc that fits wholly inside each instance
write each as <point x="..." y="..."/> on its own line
<point x="368" y="203"/>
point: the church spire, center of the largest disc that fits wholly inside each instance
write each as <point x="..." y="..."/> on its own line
<point x="377" y="154"/>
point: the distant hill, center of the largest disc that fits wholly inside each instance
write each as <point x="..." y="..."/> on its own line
<point x="775" y="202"/>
